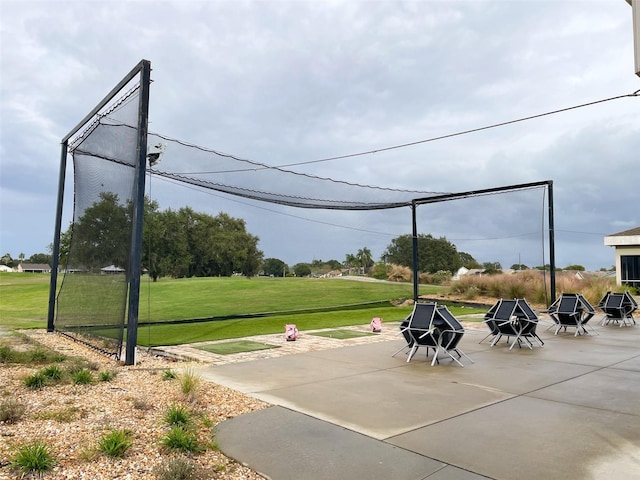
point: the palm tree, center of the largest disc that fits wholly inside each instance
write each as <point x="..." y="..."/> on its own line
<point x="349" y="261"/>
<point x="365" y="259"/>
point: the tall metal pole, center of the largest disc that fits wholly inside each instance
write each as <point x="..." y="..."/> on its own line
<point x="552" y="244"/>
<point x="416" y="279"/>
<point x="138" y="214"/>
<point x="56" y="238"/>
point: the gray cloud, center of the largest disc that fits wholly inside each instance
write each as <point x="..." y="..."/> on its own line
<point x="286" y="82"/>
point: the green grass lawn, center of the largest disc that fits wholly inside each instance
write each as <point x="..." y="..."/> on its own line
<point x="307" y="302"/>
<point x="24" y="300"/>
<point x="170" y="299"/>
<point x="229" y="348"/>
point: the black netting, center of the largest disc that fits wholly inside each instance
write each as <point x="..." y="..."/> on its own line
<point x="207" y="168"/>
<point x="93" y="297"/>
<point x="92" y="301"/>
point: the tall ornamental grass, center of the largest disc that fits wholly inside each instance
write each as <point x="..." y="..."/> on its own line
<point x="532" y="285"/>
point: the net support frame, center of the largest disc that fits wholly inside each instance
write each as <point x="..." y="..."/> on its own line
<point x="142" y="69"/>
<point x="487" y="191"/>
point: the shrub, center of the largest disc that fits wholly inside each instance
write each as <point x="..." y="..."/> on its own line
<point x="177" y="415"/>
<point x="82" y="377"/>
<point x="38" y="355"/>
<point x="7" y="354"/>
<point x="52" y="372"/>
<point x="380" y="271"/>
<point x="116" y="443"/>
<point x="399" y="273"/>
<point x="471" y="293"/>
<point x="62" y="415"/>
<point x="496" y="288"/>
<point x="189" y="383"/>
<point x="35" y="381"/>
<point x="169" y="374"/>
<point x="141" y="404"/>
<point x="10" y="410"/>
<point x="532" y="285"/>
<point x="441" y="277"/>
<point x="176" y="468"/>
<point x="93" y="366"/>
<point x="516" y="290"/>
<point x="107" y="375"/>
<point x="34" y="457"/>
<point x="182" y="439"/>
<point x="75" y="365"/>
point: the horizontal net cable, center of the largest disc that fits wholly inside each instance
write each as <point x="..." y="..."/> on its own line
<point x="210" y="169"/>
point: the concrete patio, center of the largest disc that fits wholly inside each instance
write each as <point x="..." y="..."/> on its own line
<point x="567" y="410"/>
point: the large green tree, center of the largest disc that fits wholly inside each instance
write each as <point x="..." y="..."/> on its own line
<point x="274" y="267"/>
<point x="101" y="236"/>
<point x="220" y="245"/>
<point x="43" y="258"/>
<point x="7" y="260"/>
<point x="302" y="270"/>
<point x="65" y="245"/>
<point x="434" y="254"/>
<point x="468" y="261"/>
<point x="181" y="243"/>
<point x="165" y="247"/>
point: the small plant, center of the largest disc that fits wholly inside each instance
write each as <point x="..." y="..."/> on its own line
<point x="7" y="354"/>
<point x="176" y="468"/>
<point x="34" y="457"/>
<point x="58" y="357"/>
<point x="89" y="454"/>
<point x="189" y="383"/>
<point x="182" y="439"/>
<point x="207" y="422"/>
<point x="62" y="415"/>
<point x="10" y="410"/>
<point x="141" y="404"/>
<point x="35" y="381"/>
<point x="471" y="293"/>
<point x="38" y="355"/>
<point x="116" y="443"/>
<point x="107" y="375"/>
<point x="177" y="415"/>
<point x="52" y="372"/>
<point x="82" y="377"/>
<point x="169" y="374"/>
<point x="75" y="365"/>
<point x="93" y="366"/>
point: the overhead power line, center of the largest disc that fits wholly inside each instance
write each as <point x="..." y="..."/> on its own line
<point x="262" y="166"/>
<point x="464" y="132"/>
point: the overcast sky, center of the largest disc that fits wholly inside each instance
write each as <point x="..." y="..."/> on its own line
<point x="286" y="82"/>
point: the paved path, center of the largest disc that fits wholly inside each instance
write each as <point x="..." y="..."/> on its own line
<point x="567" y="410"/>
<point x="306" y="342"/>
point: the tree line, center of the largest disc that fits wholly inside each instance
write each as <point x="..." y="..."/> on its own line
<point x="434" y="255"/>
<point x="176" y="243"/>
<point x="185" y="243"/>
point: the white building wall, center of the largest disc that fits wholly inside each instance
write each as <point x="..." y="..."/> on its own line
<point x="622" y="250"/>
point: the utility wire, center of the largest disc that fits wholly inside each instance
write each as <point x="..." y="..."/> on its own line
<point x="258" y="166"/>
<point x="464" y="132"/>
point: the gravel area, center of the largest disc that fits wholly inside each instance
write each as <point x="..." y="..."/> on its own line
<point x="71" y="419"/>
